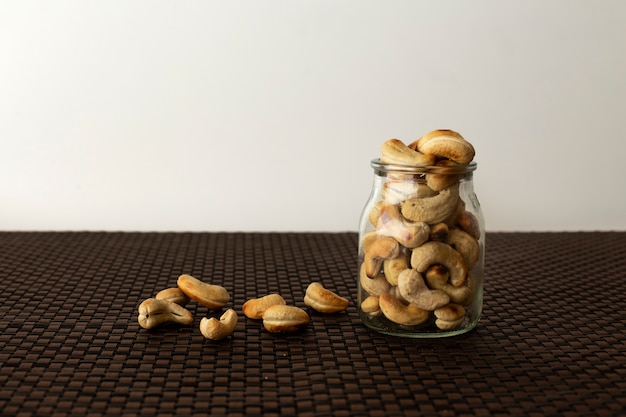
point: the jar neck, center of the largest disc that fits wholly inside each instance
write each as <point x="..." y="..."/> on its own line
<point x="418" y="173"/>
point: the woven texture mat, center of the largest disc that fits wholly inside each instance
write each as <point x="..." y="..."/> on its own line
<point x="552" y="340"/>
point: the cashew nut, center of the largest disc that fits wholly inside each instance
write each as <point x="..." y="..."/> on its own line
<point x="368" y="239"/>
<point x="283" y="318"/>
<point x="174" y="295"/>
<point x="214" y="329"/>
<point x="255" y="307"/>
<point x="469" y="222"/>
<point x="437" y="279"/>
<point x="391" y="223"/>
<point x="212" y="296"/>
<point x="395" y="192"/>
<point x="441" y="179"/>
<point x="432" y="252"/>
<point x="434" y="209"/>
<point x="395" y="311"/>
<point x="370" y="306"/>
<point x="466" y="245"/>
<point x="393" y="267"/>
<point x="373" y="286"/>
<point x="379" y="250"/>
<point x="153" y="312"/>
<point x="445" y="144"/>
<point x="449" y="317"/>
<point x="413" y="289"/>
<point x="396" y="152"/>
<point x="439" y="232"/>
<point x="323" y="300"/>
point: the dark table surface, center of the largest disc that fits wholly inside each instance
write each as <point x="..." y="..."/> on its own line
<point x="552" y="340"/>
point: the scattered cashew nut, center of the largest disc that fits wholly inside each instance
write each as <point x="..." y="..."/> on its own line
<point x="212" y="296"/>
<point x="323" y="300"/>
<point x="174" y="295"/>
<point x="153" y="313"/>
<point x="284" y="318"/>
<point x="215" y="329"/>
<point x="255" y="307"/>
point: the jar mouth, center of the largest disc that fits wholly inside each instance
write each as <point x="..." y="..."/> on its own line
<point x="381" y="167"/>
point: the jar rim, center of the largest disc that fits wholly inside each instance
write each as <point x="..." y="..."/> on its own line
<point x="426" y="169"/>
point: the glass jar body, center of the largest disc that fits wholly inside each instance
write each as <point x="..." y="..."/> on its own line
<point x="421" y="252"/>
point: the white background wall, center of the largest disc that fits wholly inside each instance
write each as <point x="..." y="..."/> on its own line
<point x="264" y="115"/>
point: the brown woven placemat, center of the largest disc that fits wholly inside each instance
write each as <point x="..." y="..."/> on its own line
<point x="552" y="341"/>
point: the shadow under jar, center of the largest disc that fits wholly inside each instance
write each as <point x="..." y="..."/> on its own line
<point x="421" y="251"/>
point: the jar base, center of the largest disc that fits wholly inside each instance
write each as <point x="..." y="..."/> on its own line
<point x="423" y="331"/>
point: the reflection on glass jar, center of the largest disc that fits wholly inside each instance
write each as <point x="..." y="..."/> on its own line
<point x="421" y="251"/>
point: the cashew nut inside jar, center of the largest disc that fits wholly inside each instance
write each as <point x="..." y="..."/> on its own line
<point x="422" y="240"/>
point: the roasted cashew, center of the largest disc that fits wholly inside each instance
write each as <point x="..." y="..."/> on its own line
<point x="431" y="253"/>
<point x="436" y="278"/>
<point x="440" y="179"/>
<point x="391" y="223"/>
<point x="449" y="317"/>
<point x="434" y="209"/>
<point x="469" y="222"/>
<point x="174" y="295"/>
<point x="379" y="250"/>
<point x="323" y="300"/>
<point x="284" y="318"/>
<point x="368" y="239"/>
<point x="395" y="311"/>
<point x="255" y="307"/>
<point x="153" y="313"/>
<point x="212" y="296"/>
<point x="394" y="151"/>
<point x="373" y="286"/>
<point x="439" y="232"/>
<point x="395" y="192"/>
<point x="370" y="306"/>
<point x="466" y="245"/>
<point x="215" y="329"/>
<point x="393" y="267"/>
<point x="445" y="144"/>
<point x="413" y="289"/>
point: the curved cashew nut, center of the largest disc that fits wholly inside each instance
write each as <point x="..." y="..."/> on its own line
<point x="212" y="296"/>
<point x="323" y="300"/>
<point x="413" y="289"/>
<point x="367" y="239"/>
<point x="437" y="279"/>
<point x="393" y="267"/>
<point x="255" y="307"/>
<point x="440" y="180"/>
<point x="284" y="318"/>
<point x="445" y="144"/>
<point x="373" y="286"/>
<point x="153" y="313"/>
<point x="469" y="222"/>
<point x="431" y="253"/>
<point x="214" y="329"/>
<point x="174" y="295"/>
<point x="395" y="311"/>
<point x="439" y="232"/>
<point x="466" y="245"/>
<point x="391" y="223"/>
<point x="395" y="192"/>
<point x="449" y="317"/>
<point x="370" y="306"/>
<point x="434" y="209"/>
<point x="379" y="250"/>
<point x="394" y="151"/>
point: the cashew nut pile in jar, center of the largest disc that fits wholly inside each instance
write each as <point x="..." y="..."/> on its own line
<point x="422" y="240"/>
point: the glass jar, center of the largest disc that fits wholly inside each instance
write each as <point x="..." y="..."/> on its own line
<point x="421" y="251"/>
